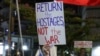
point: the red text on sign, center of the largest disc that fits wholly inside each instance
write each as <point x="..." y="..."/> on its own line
<point x="42" y="30"/>
<point x="53" y="39"/>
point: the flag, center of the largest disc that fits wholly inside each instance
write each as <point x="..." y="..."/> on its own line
<point x="82" y="2"/>
<point x="39" y="52"/>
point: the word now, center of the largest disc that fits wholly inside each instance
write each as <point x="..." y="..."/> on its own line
<point x="49" y="6"/>
<point x="53" y="39"/>
<point x="51" y="21"/>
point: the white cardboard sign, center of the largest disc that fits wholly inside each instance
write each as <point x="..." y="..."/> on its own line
<point x="82" y="44"/>
<point x="50" y="23"/>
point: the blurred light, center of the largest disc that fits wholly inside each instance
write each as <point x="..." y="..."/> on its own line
<point x="66" y="52"/>
<point x="15" y="13"/>
<point x="1" y="49"/>
<point x="18" y="53"/>
<point x="71" y="54"/>
<point x="25" y="47"/>
<point x="13" y="45"/>
<point x="96" y="51"/>
<point x="6" y="30"/>
<point x="6" y="47"/>
<point x="1" y="43"/>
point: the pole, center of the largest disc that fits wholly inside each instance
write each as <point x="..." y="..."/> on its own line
<point x="19" y="24"/>
<point x="9" y="32"/>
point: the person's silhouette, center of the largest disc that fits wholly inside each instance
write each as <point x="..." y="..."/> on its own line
<point x="82" y="52"/>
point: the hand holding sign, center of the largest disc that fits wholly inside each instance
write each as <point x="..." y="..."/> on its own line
<point x="46" y="50"/>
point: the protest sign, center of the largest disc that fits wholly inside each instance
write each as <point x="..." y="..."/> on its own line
<point x="82" y="44"/>
<point x="82" y="48"/>
<point x="50" y="23"/>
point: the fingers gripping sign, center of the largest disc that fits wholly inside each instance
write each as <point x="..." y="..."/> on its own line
<point x="46" y="50"/>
